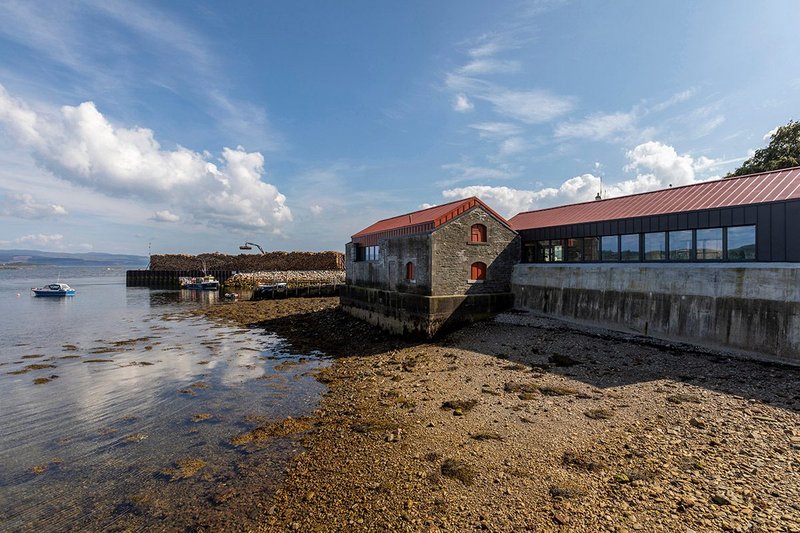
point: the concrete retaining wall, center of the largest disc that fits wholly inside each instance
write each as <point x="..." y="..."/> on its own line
<point x="415" y="314"/>
<point x="753" y="307"/>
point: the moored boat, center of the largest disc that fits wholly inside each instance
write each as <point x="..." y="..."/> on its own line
<point x="54" y="289"/>
<point x="206" y="283"/>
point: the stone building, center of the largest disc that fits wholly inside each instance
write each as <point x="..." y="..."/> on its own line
<point x="421" y="271"/>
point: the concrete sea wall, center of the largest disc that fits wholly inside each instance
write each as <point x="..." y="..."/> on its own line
<point x="754" y="307"/>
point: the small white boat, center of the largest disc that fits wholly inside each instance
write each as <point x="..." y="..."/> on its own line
<point x="54" y="289"/>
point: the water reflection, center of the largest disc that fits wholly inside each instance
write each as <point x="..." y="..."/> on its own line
<point x="132" y="385"/>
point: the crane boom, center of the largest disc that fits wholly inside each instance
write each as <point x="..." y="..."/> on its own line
<point x="247" y="246"/>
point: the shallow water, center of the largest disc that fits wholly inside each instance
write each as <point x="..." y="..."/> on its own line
<point x="137" y="387"/>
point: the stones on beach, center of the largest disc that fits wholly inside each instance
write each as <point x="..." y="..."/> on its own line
<point x="458" y="469"/>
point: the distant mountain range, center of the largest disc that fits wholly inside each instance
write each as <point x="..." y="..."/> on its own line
<point x="36" y="257"/>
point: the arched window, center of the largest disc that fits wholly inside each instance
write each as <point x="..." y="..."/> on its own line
<point x="478" y="233"/>
<point x="477" y="271"/>
<point x="410" y="271"/>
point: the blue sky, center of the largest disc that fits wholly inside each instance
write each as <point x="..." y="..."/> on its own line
<point x="195" y="126"/>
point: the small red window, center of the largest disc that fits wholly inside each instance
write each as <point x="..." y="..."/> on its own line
<point x="478" y="233"/>
<point x="478" y="271"/>
<point x="409" y="270"/>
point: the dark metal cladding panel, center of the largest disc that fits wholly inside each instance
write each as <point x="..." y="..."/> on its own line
<point x="737" y="216"/>
<point x="750" y="215"/>
<point x="663" y="223"/>
<point x="683" y="221"/>
<point x="638" y="224"/>
<point x="763" y="234"/>
<point x="726" y="216"/>
<point x="778" y="233"/>
<point x="672" y="225"/>
<point x="629" y="226"/>
<point x="692" y="222"/>
<point x="606" y="228"/>
<point x="714" y="218"/>
<point x="702" y="219"/>
<point x="793" y="230"/>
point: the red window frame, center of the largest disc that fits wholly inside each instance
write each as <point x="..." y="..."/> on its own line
<point x="477" y="233"/>
<point x="477" y="271"/>
<point x="410" y="271"/>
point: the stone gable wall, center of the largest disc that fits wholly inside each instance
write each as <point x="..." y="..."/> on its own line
<point x="453" y="255"/>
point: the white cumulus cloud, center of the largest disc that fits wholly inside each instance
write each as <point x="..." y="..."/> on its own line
<point x="316" y="210"/>
<point x="768" y="136"/>
<point x="23" y="205"/>
<point x="80" y="145"/>
<point x="462" y="104"/>
<point x="165" y="216"/>
<point x="657" y="166"/>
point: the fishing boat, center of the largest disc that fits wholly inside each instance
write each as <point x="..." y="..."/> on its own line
<point x="205" y="283"/>
<point x="54" y="289"/>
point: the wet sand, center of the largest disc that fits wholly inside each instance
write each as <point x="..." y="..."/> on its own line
<point x="529" y="423"/>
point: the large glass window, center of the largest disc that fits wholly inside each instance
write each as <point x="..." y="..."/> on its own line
<point x="655" y="246"/>
<point x="629" y="247"/>
<point x="548" y="251"/>
<point x="709" y="244"/>
<point x="574" y="250"/>
<point x="680" y="245"/>
<point x="742" y="243"/>
<point x="609" y="248"/>
<point x="367" y="253"/>
<point x="591" y="248"/>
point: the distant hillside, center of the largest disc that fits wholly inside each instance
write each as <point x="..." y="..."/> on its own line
<point x="36" y="257"/>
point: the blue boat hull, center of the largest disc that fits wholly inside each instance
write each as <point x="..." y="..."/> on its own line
<point x="54" y="293"/>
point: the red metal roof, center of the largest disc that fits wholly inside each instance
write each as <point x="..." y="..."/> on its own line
<point x="422" y="221"/>
<point x="743" y="190"/>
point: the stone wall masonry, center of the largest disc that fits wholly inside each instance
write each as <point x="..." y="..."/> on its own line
<point x="453" y="255"/>
<point x="752" y="307"/>
<point x="419" y="315"/>
<point x="389" y="271"/>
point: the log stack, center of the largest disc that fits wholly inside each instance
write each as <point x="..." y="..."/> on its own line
<point x="271" y="261"/>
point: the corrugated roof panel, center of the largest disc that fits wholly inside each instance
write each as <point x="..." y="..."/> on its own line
<point x="424" y="220"/>
<point x="770" y="186"/>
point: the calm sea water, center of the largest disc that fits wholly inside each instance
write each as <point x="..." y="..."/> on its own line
<point x="126" y="388"/>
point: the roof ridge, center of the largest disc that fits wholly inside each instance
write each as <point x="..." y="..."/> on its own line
<point x="421" y="210"/>
<point x="656" y="191"/>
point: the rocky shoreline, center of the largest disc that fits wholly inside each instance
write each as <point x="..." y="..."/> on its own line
<point x="543" y="426"/>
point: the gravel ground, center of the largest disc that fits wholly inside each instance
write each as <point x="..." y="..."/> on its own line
<point x="529" y="423"/>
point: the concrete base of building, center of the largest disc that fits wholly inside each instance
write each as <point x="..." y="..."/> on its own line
<point x="414" y="314"/>
<point x="754" y="308"/>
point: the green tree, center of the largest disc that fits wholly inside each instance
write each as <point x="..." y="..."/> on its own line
<point x="783" y="151"/>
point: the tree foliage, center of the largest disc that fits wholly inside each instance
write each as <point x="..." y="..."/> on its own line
<point x="783" y="151"/>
